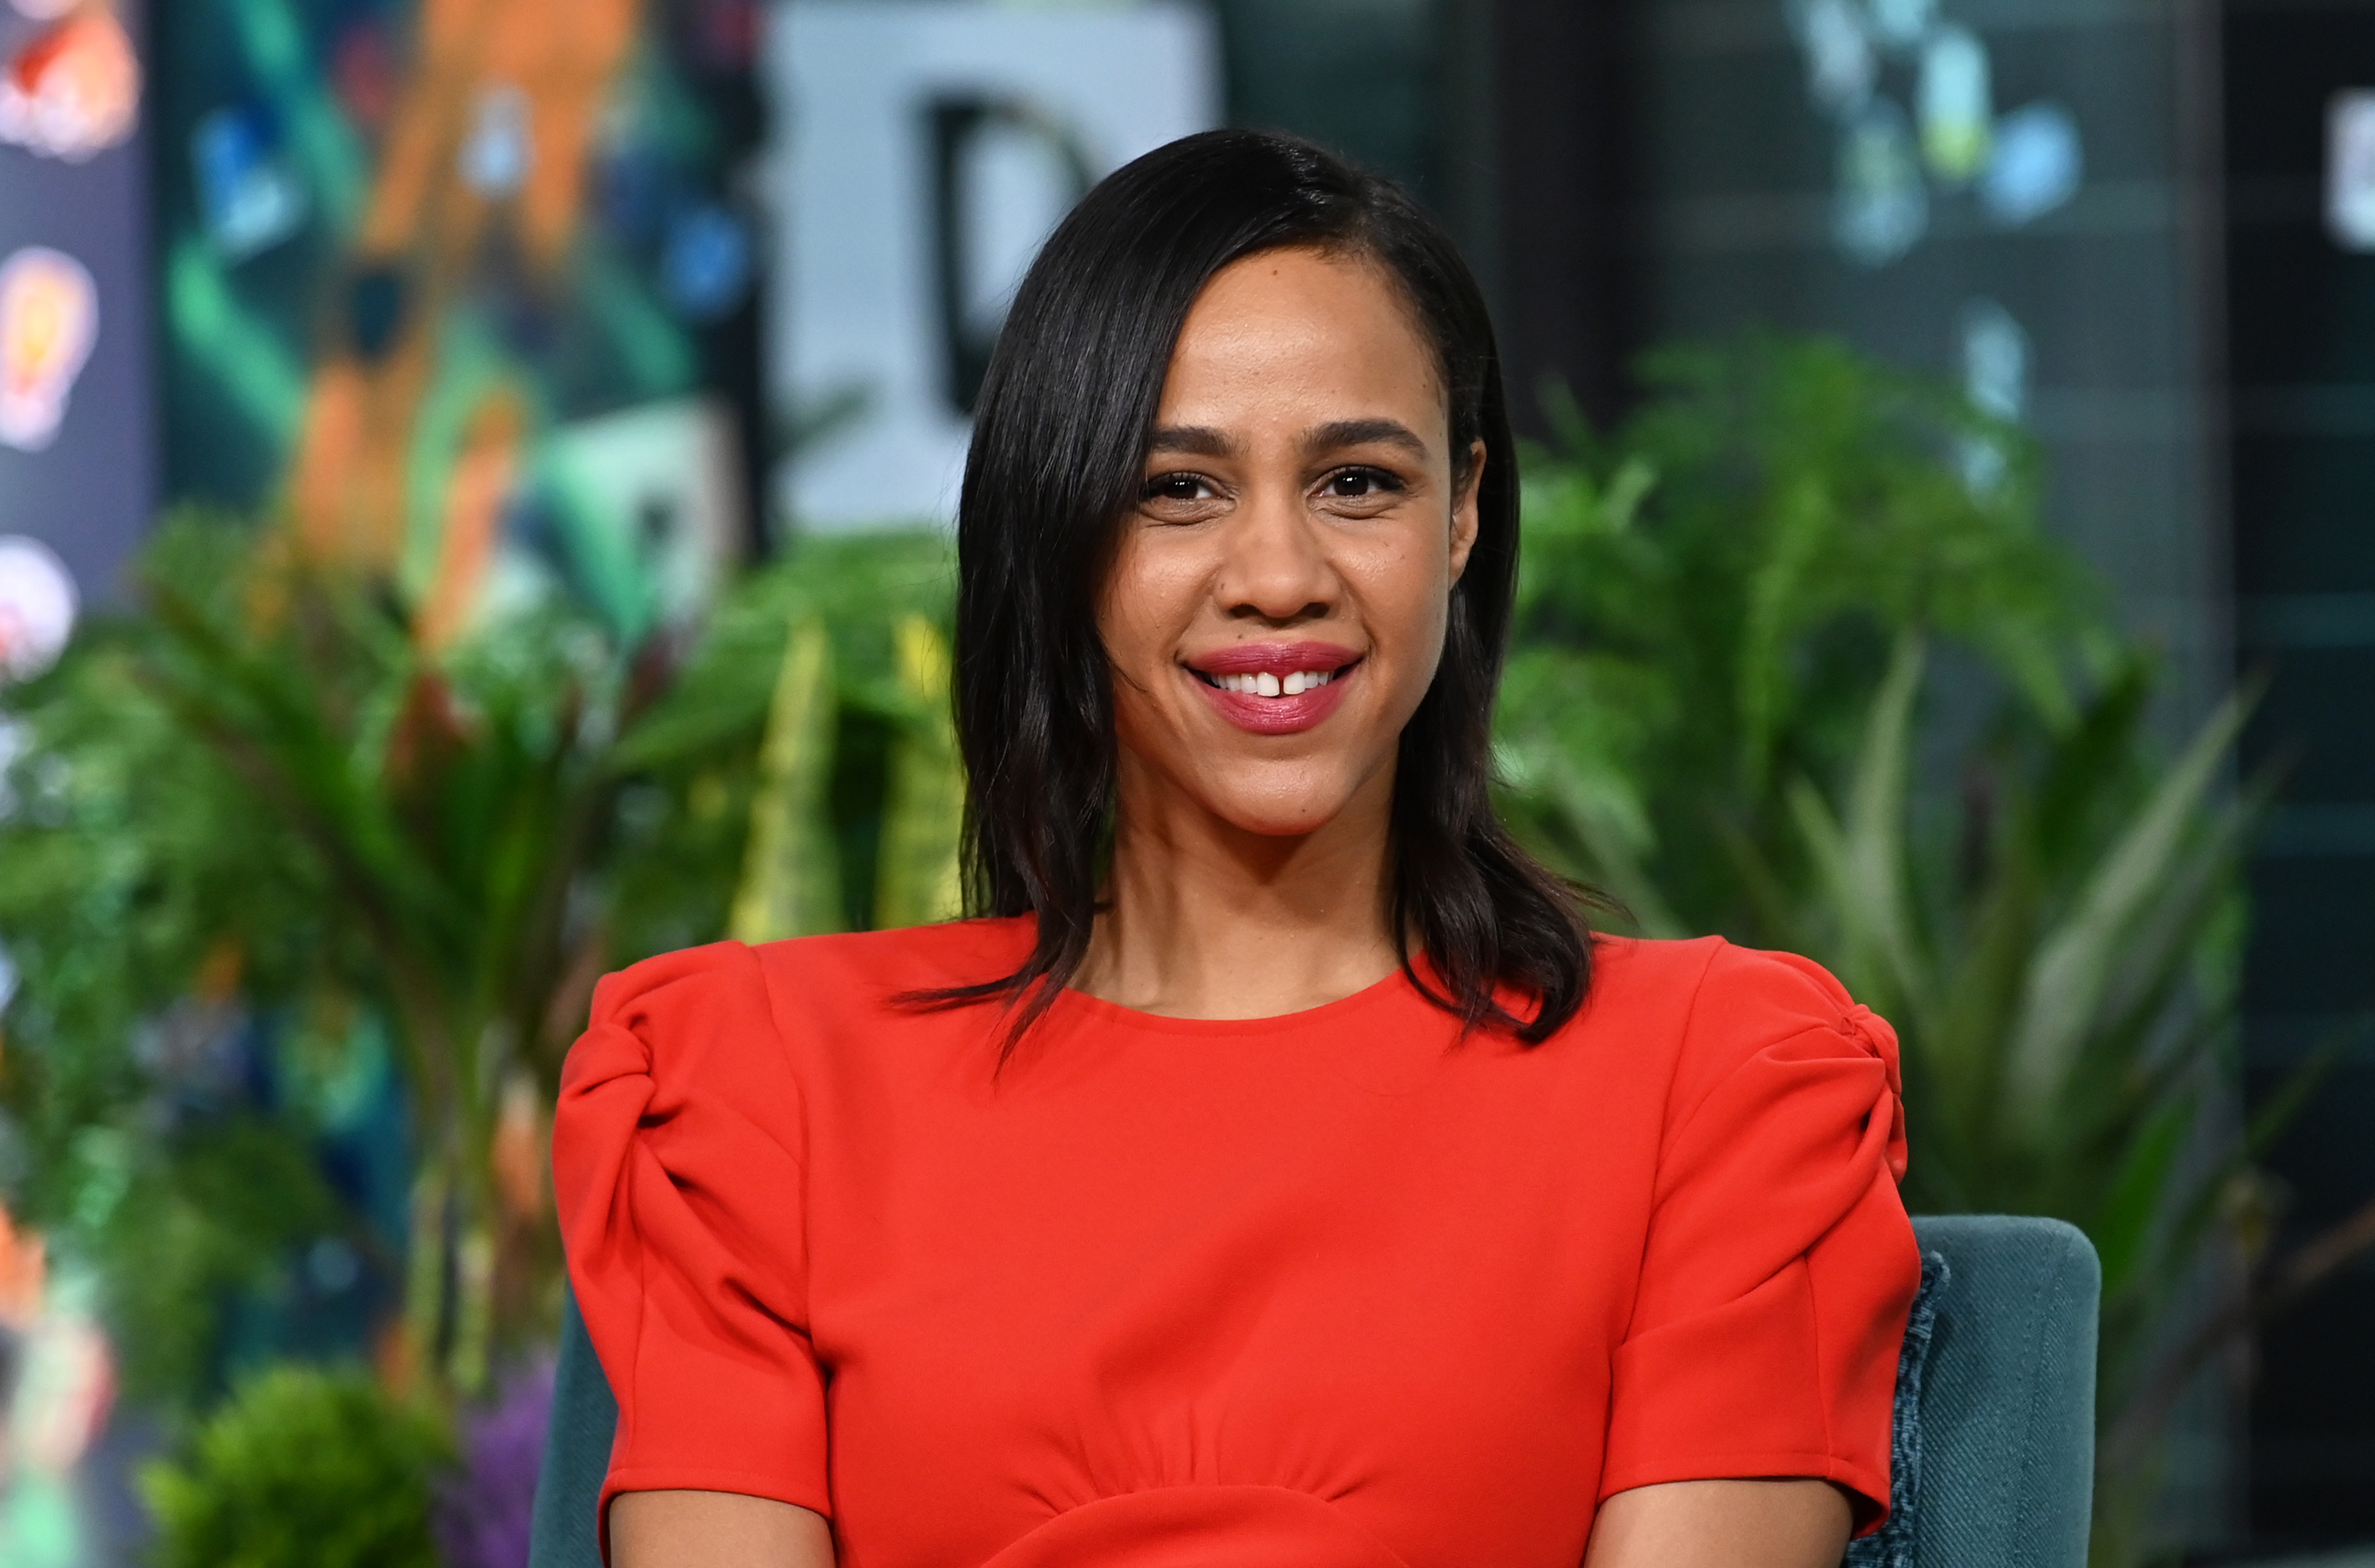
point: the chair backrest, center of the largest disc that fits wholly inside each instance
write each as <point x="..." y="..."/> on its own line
<point x="577" y="1453"/>
<point x="2007" y="1407"/>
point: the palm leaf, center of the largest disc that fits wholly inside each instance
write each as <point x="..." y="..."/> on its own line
<point x="791" y="882"/>
<point x="1863" y="860"/>
<point x="917" y="881"/>
<point x="2075" y="965"/>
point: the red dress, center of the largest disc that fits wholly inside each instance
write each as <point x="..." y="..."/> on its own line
<point x="1336" y="1289"/>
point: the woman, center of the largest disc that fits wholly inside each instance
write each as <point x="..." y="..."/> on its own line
<point x="1282" y="1175"/>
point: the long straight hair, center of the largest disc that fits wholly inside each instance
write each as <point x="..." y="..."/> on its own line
<point x="1056" y="463"/>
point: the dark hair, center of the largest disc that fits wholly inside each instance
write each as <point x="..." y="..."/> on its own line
<point x="1059" y="444"/>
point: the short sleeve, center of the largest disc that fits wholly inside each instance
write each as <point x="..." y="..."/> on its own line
<point x="677" y="1159"/>
<point x="1780" y="1264"/>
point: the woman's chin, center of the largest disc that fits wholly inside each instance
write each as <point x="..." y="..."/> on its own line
<point x="1279" y="827"/>
<point x="1281" y="815"/>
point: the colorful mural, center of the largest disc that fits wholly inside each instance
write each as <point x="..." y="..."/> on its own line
<point x="413" y="250"/>
<point x="72" y="90"/>
<point x="48" y="319"/>
<point x="76" y="428"/>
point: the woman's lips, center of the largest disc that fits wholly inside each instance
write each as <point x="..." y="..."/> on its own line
<point x="1275" y="666"/>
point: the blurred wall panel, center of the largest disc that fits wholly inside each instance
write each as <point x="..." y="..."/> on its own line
<point x="2300" y="157"/>
<point x="78" y="427"/>
<point x="1364" y="78"/>
<point x="1568" y="131"/>
<point x="2017" y="195"/>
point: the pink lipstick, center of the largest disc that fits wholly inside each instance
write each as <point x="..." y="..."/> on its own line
<point x="1275" y="687"/>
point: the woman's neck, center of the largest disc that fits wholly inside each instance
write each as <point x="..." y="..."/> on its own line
<point x="1204" y="919"/>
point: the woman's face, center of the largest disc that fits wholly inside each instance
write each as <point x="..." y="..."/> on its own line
<point x="1277" y="604"/>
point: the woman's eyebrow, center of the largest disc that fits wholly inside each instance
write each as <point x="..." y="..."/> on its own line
<point x="1198" y="441"/>
<point x="1363" y="432"/>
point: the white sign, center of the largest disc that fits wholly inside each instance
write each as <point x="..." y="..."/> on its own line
<point x="932" y="145"/>
<point x="2350" y="169"/>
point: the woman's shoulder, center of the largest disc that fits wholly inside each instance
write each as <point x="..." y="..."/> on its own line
<point x="734" y="1013"/>
<point x="879" y="969"/>
<point x="1751" y="985"/>
<point x="869" y="967"/>
<point x="1724" y="1005"/>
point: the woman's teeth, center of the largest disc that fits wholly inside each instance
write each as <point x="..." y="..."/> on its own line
<point x="1264" y="684"/>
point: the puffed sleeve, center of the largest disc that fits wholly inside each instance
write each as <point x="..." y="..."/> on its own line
<point x="678" y="1156"/>
<point x="1780" y="1264"/>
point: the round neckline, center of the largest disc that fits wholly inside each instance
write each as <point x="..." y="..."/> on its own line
<point x="1082" y="1002"/>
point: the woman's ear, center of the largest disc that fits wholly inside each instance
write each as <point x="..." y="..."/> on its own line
<point x="1464" y="510"/>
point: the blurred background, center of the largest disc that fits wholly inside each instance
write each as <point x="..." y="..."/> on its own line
<point x="474" y="488"/>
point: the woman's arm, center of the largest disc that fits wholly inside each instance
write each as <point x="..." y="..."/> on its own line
<point x="714" y="1529"/>
<point x="1722" y="1524"/>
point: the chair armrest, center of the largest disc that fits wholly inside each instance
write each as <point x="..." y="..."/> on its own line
<point x="2008" y="1395"/>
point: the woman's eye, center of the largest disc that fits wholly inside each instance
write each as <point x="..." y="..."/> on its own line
<point x="1353" y="483"/>
<point x="1176" y="486"/>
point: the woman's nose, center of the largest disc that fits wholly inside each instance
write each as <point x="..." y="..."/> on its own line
<point x="1275" y="568"/>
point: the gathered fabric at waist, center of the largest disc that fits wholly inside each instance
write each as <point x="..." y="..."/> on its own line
<point x="1200" y="1527"/>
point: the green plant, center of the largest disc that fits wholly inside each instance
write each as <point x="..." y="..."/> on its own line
<point x="266" y="801"/>
<point x="2065" y="997"/>
<point x="207" y="1212"/>
<point x="1731" y="612"/>
<point x="1709" y="596"/>
<point x="793" y="881"/>
<point x="301" y="1468"/>
<point x="138" y="890"/>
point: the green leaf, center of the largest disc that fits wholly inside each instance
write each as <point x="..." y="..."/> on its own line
<point x="791" y="883"/>
<point x="924" y="818"/>
<point x="2075" y="965"/>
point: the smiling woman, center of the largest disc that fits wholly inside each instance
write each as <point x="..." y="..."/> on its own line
<point x="1275" y="614"/>
<point x="1250" y="1183"/>
<point x="1241" y="367"/>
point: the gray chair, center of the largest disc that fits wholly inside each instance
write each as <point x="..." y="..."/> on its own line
<point x="1996" y="1416"/>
